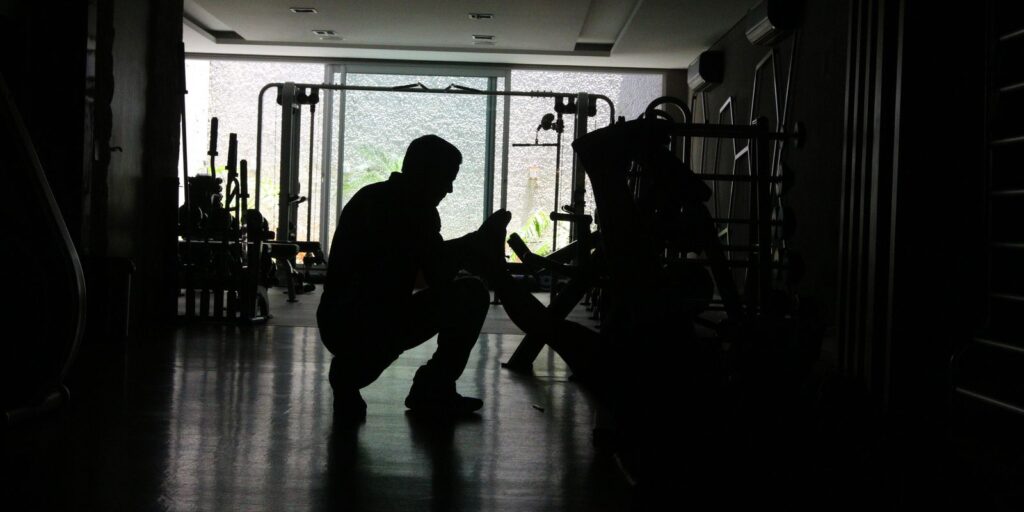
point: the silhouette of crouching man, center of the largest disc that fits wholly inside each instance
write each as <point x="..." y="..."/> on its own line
<point x="387" y="234"/>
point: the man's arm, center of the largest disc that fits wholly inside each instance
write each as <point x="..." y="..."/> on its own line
<point x="444" y="258"/>
<point x="470" y="251"/>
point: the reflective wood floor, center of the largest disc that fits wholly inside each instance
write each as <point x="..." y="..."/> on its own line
<point x="221" y="418"/>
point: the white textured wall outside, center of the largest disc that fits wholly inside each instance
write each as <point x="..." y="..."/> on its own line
<point x="387" y="122"/>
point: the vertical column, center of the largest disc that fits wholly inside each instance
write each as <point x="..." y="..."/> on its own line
<point x="579" y="177"/>
<point x="763" y="215"/>
<point x="289" y="177"/>
<point x="492" y="107"/>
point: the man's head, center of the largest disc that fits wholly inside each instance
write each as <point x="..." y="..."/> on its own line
<point x="432" y="164"/>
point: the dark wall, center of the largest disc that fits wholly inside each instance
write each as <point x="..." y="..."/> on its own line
<point x="141" y="186"/>
<point x="816" y="101"/>
<point x="44" y="65"/>
<point x="940" y="234"/>
<point x="129" y="43"/>
<point x="97" y="88"/>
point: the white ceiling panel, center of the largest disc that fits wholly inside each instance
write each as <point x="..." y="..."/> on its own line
<point x="666" y="34"/>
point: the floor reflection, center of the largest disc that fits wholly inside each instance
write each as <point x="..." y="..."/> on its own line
<point x="250" y="427"/>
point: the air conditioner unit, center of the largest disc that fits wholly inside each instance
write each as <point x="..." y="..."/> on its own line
<point x="706" y="71"/>
<point x="772" y="20"/>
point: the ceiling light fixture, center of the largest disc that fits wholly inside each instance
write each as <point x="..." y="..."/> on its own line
<point x="483" y="37"/>
<point x="304" y="10"/>
<point x="481" y="16"/>
<point x="324" y="32"/>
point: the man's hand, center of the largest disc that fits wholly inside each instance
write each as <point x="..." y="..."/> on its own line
<point x="495" y="224"/>
<point x="490" y="242"/>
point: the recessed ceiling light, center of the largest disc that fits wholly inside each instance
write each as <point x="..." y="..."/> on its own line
<point x="483" y="37"/>
<point x="481" y="16"/>
<point x="324" y="32"/>
<point x="303" y="10"/>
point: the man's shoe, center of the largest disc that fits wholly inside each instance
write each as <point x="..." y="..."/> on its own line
<point x="349" y="406"/>
<point x="452" y="404"/>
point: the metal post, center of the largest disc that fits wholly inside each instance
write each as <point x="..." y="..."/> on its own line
<point x="762" y="216"/>
<point x="558" y="173"/>
<point x="505" y="141"/>
<point x="243" y="172"/>
<point x="492" y="106"/>
<point x="190" y="294"/>
<point x="579" y="177"/>
<point x="213" y="146"/>
<point x="325" y="164"/>
<point x="309" y="182"/>
<point x="342" y="98"/>
<point x="289" y="178"/>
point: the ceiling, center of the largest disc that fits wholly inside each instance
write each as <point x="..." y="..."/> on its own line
<point x="665" y="34"/>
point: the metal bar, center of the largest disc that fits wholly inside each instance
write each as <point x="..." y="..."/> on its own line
<point x="492" y="107"/>
<point x="764" y="213"/>
<point x="212" y="152"/>
<point x="259" y="144"/>
<point x="343" y="87"/>
<point x="1007" y="193"/>
<point x="1007" y="296"/>
<point x="325" y="163"/>
<point x="190" y="294"/>
<point x="290" y="117"/>
<point x="999" y="345"/>
<point x="724" y="131"/>
<point x="579" y="177"/>
<point x="558" y="176"/>
<point x="243" y="172"/>
<point x="733" y="177"/>
<point x="1008" y="140"/>
<point x="735" y="220"/>
<point x="528" y="94"/>
<point x="342" y="98"/>
<point x="309" y="179"/>
<point x="533" y="145"/>
<point x="991" y="401"/>
<point x="784" y="116"/>
<point x="733" y="263"/>
<point x="1008" y="245"/>
<point x="1012" y="87"/>
<point x="1011" y="35"/>
<point x="505" y="138"/>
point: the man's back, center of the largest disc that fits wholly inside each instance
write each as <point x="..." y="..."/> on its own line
<point x="382" y="236"/>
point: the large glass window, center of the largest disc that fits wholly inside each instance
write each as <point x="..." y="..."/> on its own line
<point x="531" y="176"/>
<point x="360" y="136"/>
<point x="380" y="125"/>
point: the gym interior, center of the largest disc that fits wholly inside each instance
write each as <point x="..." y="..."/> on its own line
<point x="801" y="287"/>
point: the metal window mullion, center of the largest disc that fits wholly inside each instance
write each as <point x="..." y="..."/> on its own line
<point x="505" y="139"/>
<point x="492" y="103"/>
<point x="343" y="74"/>
<point x="325" y="164"/>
